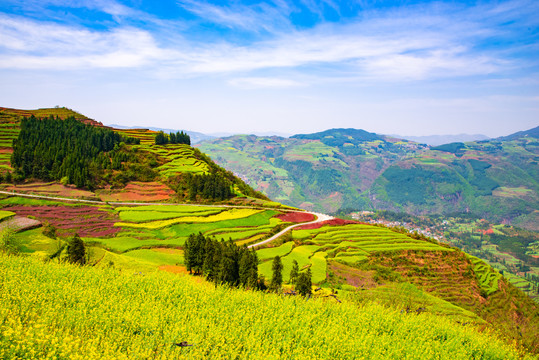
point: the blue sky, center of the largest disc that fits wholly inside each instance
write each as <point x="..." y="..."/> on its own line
<point x="392" y="67"/>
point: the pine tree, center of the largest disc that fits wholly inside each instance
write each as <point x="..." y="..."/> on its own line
<point x="277" y="277"/>
<point x="294" y="272"/>
<point x="76" y="251"/>
<point x="304" y="283"/>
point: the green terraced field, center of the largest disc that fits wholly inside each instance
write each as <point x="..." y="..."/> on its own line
<point x="488" y="277"/>
<point x="144" y="215"/>
<point x="348" y="244"/>
<point x="249" y="225"/>
<point x="5" y="214"/>
<point x="270" y="253"/>
<point x="180" y="158"/>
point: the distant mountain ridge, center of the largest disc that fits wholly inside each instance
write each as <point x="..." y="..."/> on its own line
<point x="526" y="133"/>
<point x="443" y="139"/>
<point x="355" y="169"/>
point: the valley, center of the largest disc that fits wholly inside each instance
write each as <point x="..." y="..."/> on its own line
<point x="376" y="291"/>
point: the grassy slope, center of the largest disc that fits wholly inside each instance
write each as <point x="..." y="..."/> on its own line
<point x="44" y="312"/>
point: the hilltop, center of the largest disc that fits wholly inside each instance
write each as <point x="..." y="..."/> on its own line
<point x="129" y="159"/>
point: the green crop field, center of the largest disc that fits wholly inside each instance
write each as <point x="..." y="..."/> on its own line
<point x="270" y="253"/>
<point x="240" y="225"/>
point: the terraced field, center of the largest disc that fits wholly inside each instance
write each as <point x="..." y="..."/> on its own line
<point x="9" y="130"/>
<point x="488" y="277"/>
<point x="180" y="159"/>
<point x="51" y="189"/>
<point x="169" y="225"/>
<point x="147" y="137"/>
<point x="137" y="191"/>
<point x="87" y="221"/>
<point x="348" y="244"/>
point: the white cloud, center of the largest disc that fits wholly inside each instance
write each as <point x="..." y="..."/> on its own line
<point x="263" y="82"/>
<point x="393" y="46"/>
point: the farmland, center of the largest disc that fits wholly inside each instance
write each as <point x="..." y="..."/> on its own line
<point x="348" y="244"/>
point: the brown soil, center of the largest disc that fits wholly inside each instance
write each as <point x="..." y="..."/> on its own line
<point x="20" y="223"/>
<point x="138" y="191"/>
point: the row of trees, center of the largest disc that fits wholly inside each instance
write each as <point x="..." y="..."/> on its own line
<point x="172" y="138"/>
<point x="222" y="262"/>
<point x="52" y="149"/>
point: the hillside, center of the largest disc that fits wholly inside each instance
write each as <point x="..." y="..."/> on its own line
<point x="405" y="278"/>
<point x="164" y="316"/>
<point x="125" y="164"/>
<point x="344" y="168"/>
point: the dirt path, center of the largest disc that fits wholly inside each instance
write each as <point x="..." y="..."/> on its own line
<point x="319" y="218"/>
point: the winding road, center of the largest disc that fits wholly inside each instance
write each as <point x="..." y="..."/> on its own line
<point x="319" y="217"/>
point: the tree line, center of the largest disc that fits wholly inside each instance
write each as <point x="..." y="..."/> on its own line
<point x="222" y="262"/>
<point x="172" y="138"/>
<point x="52" y="149"/>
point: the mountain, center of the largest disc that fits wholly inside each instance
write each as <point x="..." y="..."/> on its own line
<point x="443" y="139"/>
<point x="413" y="286"/>
<point x="108" y="161"/>
<point x="532" y="133"/>
<point x="348" y="168"/>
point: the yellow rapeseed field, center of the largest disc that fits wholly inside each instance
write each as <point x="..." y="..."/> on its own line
<point x="59" y="311"/>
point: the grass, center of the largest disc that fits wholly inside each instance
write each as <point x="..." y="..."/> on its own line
<point x="62" y="311"/>
<point x="408" y="296"/>
<point x="135" y="215"/>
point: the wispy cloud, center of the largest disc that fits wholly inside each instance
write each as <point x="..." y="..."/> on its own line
<point x="270" y="17"/>
<point x="397" y="45"/>
<point x="27" y="44"/>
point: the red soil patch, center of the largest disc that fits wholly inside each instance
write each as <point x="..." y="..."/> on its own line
<point x="6" y="150"/>
<point x="332" y="222"/>
<point x="87" y="221"/>
<point x="137" y="191"/>
<point x="296" y="217"/>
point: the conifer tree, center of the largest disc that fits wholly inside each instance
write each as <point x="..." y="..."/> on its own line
<point x="294" y="272"/>
<point x="277" y="276"/>
<point x="304" y="283"/>
<point x="76" y="251"/>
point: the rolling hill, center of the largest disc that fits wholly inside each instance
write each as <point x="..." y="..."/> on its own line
<point x="347" y="168"/>
<point x="402" y="294"/>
